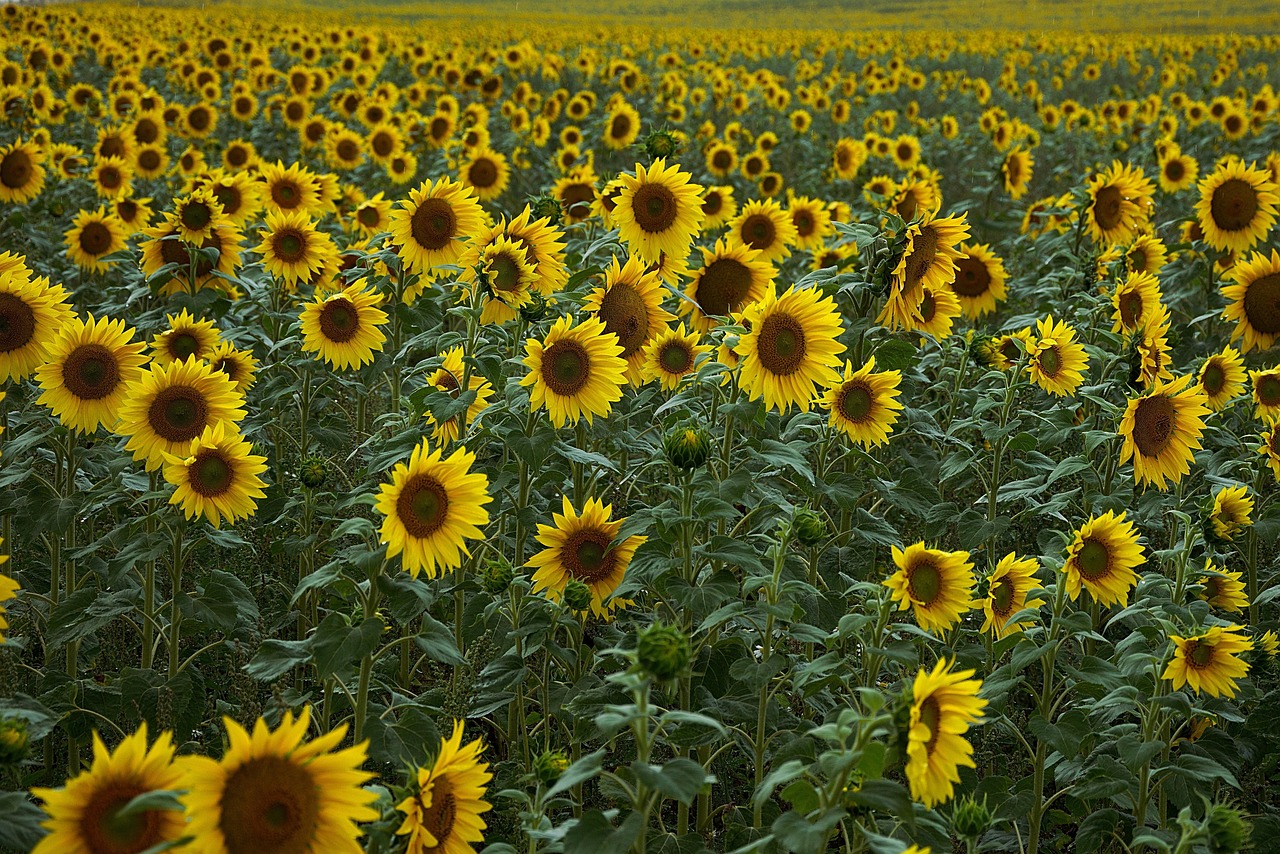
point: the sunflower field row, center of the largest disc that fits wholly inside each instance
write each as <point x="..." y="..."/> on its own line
<point x="580" y="437"/>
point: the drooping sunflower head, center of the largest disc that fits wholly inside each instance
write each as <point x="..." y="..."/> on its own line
<point x="1255" y="301"/>
<point x="1208" y="663"/>
<point x="435" y="224"/>
<point x="928" y="258"/>
<point x="658" y="211"/>
<point x="630" y="305"/>
<point x="1231" y="513"/>
<point x="1101" y="559"/>
<point x="575" y="371"/>
<point x="1119" y="204"/>
<point x="187" y="336"/>
<point x="170" y="406"/>
<point x="1237" y="206"/>
<point x="793" y="345"/>
<point x="442" y="812"/>
<point x="944" y="704"/>
<point x="89" y="369"/>
<point x="1162" y="430"/>
<point x="1222" y="589"/>
<point x="584" y="548"/>
<point x="344" y="327"/>
<point x="937" y="585"/>
<point x="864" y="403"/>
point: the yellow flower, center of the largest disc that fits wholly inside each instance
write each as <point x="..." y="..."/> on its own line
<point x="1237" y="206"/>
<point x="672" y="355"/>
<point x="1223" y="590"/>
<point x="1221" y="378"/>
<point x="1161" y="431"/>
<point x="1255" y="301"/>
<point x="575" y="371"/>
<point x="442" y="811"/>
<point x="91" y="368"/>
<point x="583" y="548"/>
<point x="342" y="328"/>
<point x="1207" y="662"/>
<point x="434" y="225"/>
<point x="658" y="211"/>
<point x="1007" y="590"/>
<point x="1232" y="511"/>
<point x="1101" y="558"/>
<point x="630" y="305"/>
<point x="1266" y="394"/>
<point x="1056" y="360"/>
<point x="937" y="585"/>
<point x="981" y="279"/>
<point x="944" y="704"/>
<point x="219" y="479"/>
<point x="169" y="406"/>
<point x="864" y="404"/>
<point x="794" y="345"/>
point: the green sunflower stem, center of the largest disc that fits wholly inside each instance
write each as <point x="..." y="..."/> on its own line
<point x="175" y="609"/>
<point x="361" y="711"/>
<point x="766" y="652"/>
<point x="73" y="647"/>
<point x="997" y="459"/>
<point x="149" y="583"/>
<point x="579" y="469"/>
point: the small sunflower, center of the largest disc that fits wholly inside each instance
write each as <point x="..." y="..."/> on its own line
<point x="186" y="336"/>
<point x="290" y="189"/>
<point x="1161" y="431"/>
<point x="1232" y="512"/>
<point x="864" y="403"/>
<point x="435" y="224"/>
<point x="1057" y="361"/>
<point x="1102" y="557"/>
<point x="1148" y="254"/>
<point x="944" y="704"/>
<point x="431" y="507"/>
<point x="1119" y="203"/>
<point x="575" y="371"/>
<point x="442" y="812"/>
<point x="1017" y="170"/>
<point x="658" y="211"/>
<point x="672" y="355"/>
<point x="622" y="126"/>
<point x="937" y="585"/>
<point x="1207" y="663"/>
<point x="239" y="365"/>
<point x="1255" y="301"/>
<point x="486" y="172"/>
<point x="794" y="344"/>
<point x="219" y="480"/>
<point x="196" y="216"/>
<point x="448" y="377"/>
<point x="29" y="322"/>
<point x="1266" y="394"/>
<point x="291" y="248"/>
<point x="1177" y="171"/>
<point x="936" y="313"/>
<point x="630" y="305"/>
<point x="164" y="250"/>
<point x="718" y="207"/>
<point x="1134" y="301"/>
<point x="1013" y="578"/>
<point x="1237" y="206"/>
<point x="509" y="278"/>
<point x="981" y="280"/>
<point x="1222" y="590"/>
<point x="342" y="328"/>
<point x="584" y="548"/>
<point x="732" y="276"/>
<point x="93" y="236"/>
<point x="1150" y="358"/>
<point x="90" y="367"/>
<point x="575" y="192"/>
<point x="169" y="406"/>
<point x="764" y="226"/>
<point x="812" y="221"/>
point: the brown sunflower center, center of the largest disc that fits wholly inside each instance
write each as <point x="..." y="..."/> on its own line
<point x="211" y="474"/>
<point x="368" y="216"/>
<point x="237" y="155"/>
<point x="620" y="126"/>
<point x="439" y="818"/>
<point x="924" y="581"/>
<point x="198" y="118"/>
<point x="625" y="314"/>
<point x="270" y="804"/>
<point x="566" y="367"/>
<point x="183" y="344"/>
<point x="423" y="505"/>
<point x="1002" y="597"/>
<point x="196" y="216"/>
<point x="920" y="257"/>
<point x="1131" y="306"/>
<point x="109" y="177"/>
<point x="483" y="173"/>
<point x="856" y="401"/>
<point x="928" y="307"/>
<point x="1107" y="207"/>
<point x="90" y="372"/>
<point x="347" y="150"/>
<point x="17" y="322"/>
<point x="1093" y="560"/>
<point x="675" y="357"/>
<point x="723" y="286"/>
<point x="803" y="221"/>
<point x="1213" y="378"/>
<point x="1199" y="654"/>
<point x="780" y="346"/>
<point x="931" y="716"/>
<point x="1233" y="205"/>
<point x="1262" y="304"/>
<point x="95" y="238"/>
<point x="907" y="205"/>
<point x="576" y="198"/>
<point x="286" y="194"/>
<point x="722" y="159"/>
<point x="712" y="204"/>
<point x="1013" y="170"/>
<point x="759" y="231"/>
<point x="1049" y="361"/>
<point x="972" y="277"/>
<point x="433" y="224"/>
<point x="1009" y="349"/>
<point x="382" y="144"/>
<point x="655" y="208"/>
<point x="179" y="413"/>
<point x="1174" y="170"/>
<point x="107" y="832"/>
<point x="289" y="245"/>
<point x="339" y="320"/>
<point x="587" y="555"/>
<point x="1267" y="389"/>
<point x="1153" y="425"/>
<point x="504" y="274"/>
<point x="228" y="197"/>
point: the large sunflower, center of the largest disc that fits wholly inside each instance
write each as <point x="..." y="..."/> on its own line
<point x="936" y="585"/>
<point x="84" y="817"/>
<point x="1255" y="301"/>
<point x="1102" y="557"/>
<point x="21" y="172"/>
<point x="1232" y="512"/>
<point x="575" y="371"/>
<point x="220" y="477"/>
<point x="672" y="355"/>
<point x="980" y="281"/>
<point x="448" y="377"/>
<point x="584" y="548"/>
<point x="1266" y="394"/>
<point x="274" y="792"/>
<point x="928" y="258"/>
<point x="342" y="328"/>
<point x="1208" y="662"/>
<point x="169" y="406"/>
<point x="732" y="276"/>
<point x="1237" y="206"/>
<point x="794" y="343"/>
<point x="1056" y="360"/>
<point x="431" y="507"/>
<point x="1119" y="204"/>
<point x="186" y="336"/>
<point x="1007" y="588"/>
<point x="659" y="210"/>
<point x="1134" y="301"/>
<point x="630" y="305"/>
<point x="29" y="322"/>
<point x="93" y="236"/>
<point x="864" y="404"/>
<point x="434" y="225"/>
<point x="91" y="365"/>
<point x="1161" y="431"/>
<point x="763" y="225"/>
<point x="442" y="811"/>
<point x="944" y="704"/>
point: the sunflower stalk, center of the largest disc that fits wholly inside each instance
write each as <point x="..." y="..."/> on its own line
<point x="997" y="457"/>
<point x="766" y="652"/>
<point x="370" y="607"/>
<point x="175" y="609"/>
<point x="73" y="647"/>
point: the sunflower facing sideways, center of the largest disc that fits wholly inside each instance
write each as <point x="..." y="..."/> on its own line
<point x="508" y="278"/>
<point x="273" y="791"/>
<point x="90" y="367"/>
<point x="944" y="704"/>
<point x="732" y="276"/>
<point x="431" y="507"/>
<point x="1266" y="394"/>
<point x="672" y="355"/>
<point x="1237" y="206"/>
<point x="1232" y="512"/>
<point x="630" y="305"/>
<point x="794" y="345"/>
<point x="1119" y="201"/>
<point x="442" y="812"/>
<point x="342" y="328"/>
<point x="169" y="406"/>
<point x="981" y="280"/>
<point x="84" y="816"/>
<point x="239" y="365"/>
<point x="575" y="372"/>
<point x="1255" y="301"/>
<point x="1270" y="448"/>
<point x="93" y="236"/>
<point x="583" y="548"/>
<point x="937" y="585"/>
<point x="864" y="403"/>
<point x="1207" y="663"/>
<point x="219" y="479"/>
<point x="1101" y="558"/>
<point x="448" y="377"/>
<point x="29" y="322"/>
<point x="1162" y="430"/>
<point x="928" y="257"/>
<point x="1222" y="378"/>
<point x="1056" y="361"/>
<point x="1222" y="589"/>
<point x="1134" y="301"/>
<point x="434" y="225"/>
<point x="1007" y="588"/>
<point x="658" y="211"/>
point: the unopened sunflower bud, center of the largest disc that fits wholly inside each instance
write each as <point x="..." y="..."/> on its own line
<point x="971" y="818"/>
<point x="313" y="472"/>
<point x="497" y="575"/>
<point x="577" y="596"/>
<point x="13" y="740"/>
<point x="661" y="143"/>
<point x="546" y="205"/>
<point x="808" y="527"/>
<point x="1227" y="829"/>
<point x="663" y="651"/>
<point x="687" y="447"/>
<point x="535" y="309"/>
<point x="548" y="767"/>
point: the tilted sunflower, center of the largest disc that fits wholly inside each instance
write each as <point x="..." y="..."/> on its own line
<point x="93" y="236"/>
<point x="1148" y="254"/>
<point x="442" y="812"/>
<point x="239" y="365"/>
<point x="864" y="403"/>
<point x="1255" y="301"/>
<point x="431" y="507"/>
<point x="1270" y="448"/>
<point x="630" y="305"/>
<point x="1056" y="361"/>
<point x="292" y="249"/>
<point x="1149" y="350"/>
<point x="29" y="322"/>
<point x="1208" y="662"/>
<point x="1162" y="430"/>
<point x="1232" y="512"/>
<point x="448" y="377"/>
<point x="732" y="276"/>
<point x="509" y="277"/>
<point x="1119" y="204"/>
<point x="793" y="345"/>
<point x="22" y="172"/>
<point x="91" y="365"/>
<point x="219" y="479"/>
<point x="764" y="226"/>
<point x="486" y="172"/>
<point x="1221" y="589"/>
<point x="163" y="249"/>
<point x="273" y="791"/>
<point x="1133" y="301"/>
<point x="1237" y="206"/>
<point x="433" y="227"/>
<point x="658" y="211"/>
<point x="84" y="816"/>
<point x="575" y="371"/>
<point x="186" y="336"/>
<point x="937" y="312"/>
<point x="1007" y="588"/>
<point x="929" y="257"/>
<point x="944" y="704"/>
<point x="981" y="280"/>
<point x="718" y="207"/>
<point x="342" y="328"/>
<point x="372" y="216"/>
<point x="672" y="355"/>
<point x="1017" y="170"/>
<point x="1221" y="378"/>
<point x="584" y="548"/>
<point x="1266" y="394"/>
<point x="937" y="585"/>
<point x="1101" y="558"/>
<point x="170" y="406"/>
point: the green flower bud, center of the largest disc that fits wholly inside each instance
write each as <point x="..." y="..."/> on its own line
<point x="577" y="596"/>
<point x="971" y="819"/>
<point x="535" y="309"/>
<point x="497" y="575"/>
<point x="661" y="143"/>
<point x="663" y="651"/>
<point x="687" y="447"/>
<point x="546" y="205"/>
<point x="548" y="767"/>
<point x="809" y="528"/>
<point x="13" y="740"/>
<point x="1227" y="829"/>
<point x="313" y="472"/>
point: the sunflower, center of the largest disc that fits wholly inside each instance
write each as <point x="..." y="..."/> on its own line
<point x="1177" y="170"/>
<point x="575" y="371"/>
<point x="238" y="365"/>
<point x="486" y="172"/>
<point x="273" y="792"/>
<point x="343" y="148"/>
<point x="936" y="585"/>
<point x="722" y="159"/>
<point x="21" y="172"/>
<point x="914" y="198"/>
<point x="434" y="225"/>
<point x="672" y="355"/>
<point x="1266" y="394"/>
<point x="937" y="312"/>
<point x="431" y="507"/>
<point x="90" y="367"/>
<point x="112" y="177"/>
<point x="342" y="328"/>
<point x="764" y="226"/>
<point x="93" y="236"/>
<point x="584" y="548"/>
<point x="575" y="192"/>
<point x="718" y="207"/>
<point x="30" y="319"/>
<point x="1148" y="254"/>
<point x="1255" y="301"/>
<point x="1119" y="201"/>
<point x="1007" y="589"/>
<point x="239" y="195"/>
<point x="1270" y="448"/>
<point x="929" y="257"/>
<point x="84" y="816"/>
<point x="944" y="704"/>
<point x="630" y="305"/>
<point x="136" y="214"/>
<point x="833" y="255"/>
<point x="1207" y="662"/>
<point x="1150" y="350"/>
<point x="658" y="211"/>
<point x="794" y="343"/>
<point x="1102" y="557"/>
<point x="1223" y="590"/>
<point x="621" y="126"/>
<point x="290" y="189"/>
<point x="219" y="479"/>
<point x="442" y="811"/>
<point x="1162" y="429"/>
<point x="186" y="336"/>
<point x="384" y="143"/>
<point x="163" y="250"/>
<point x="448" y="377"/>
<point x="1056" y="361"/>
<point x="1134" y="301"/>
<point x="812" y="221"/>
<point x="197" y="215"/>
<point x="847" y="158"/>
<point x="291" y="248"/>
<point x="1237" y="206"/>
<point x="732" y="276"/>
<point x="1231" y="513"/>
<point x="169" y="406"/>
<point x="864" y="404"/>
<point x="1017" y="169"/>
<point x="981" y="279"/>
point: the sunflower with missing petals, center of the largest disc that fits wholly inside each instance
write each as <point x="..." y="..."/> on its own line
<point x="937" y="585"/>
<point x="1222" y="589"/>
<point x="1207" y="663"/>
<point x="1119" y="204"/>
<point x="90" y="367"/>
<point x="1013" y="578"/>
<point x="431" y="507"/>
<point x="1255" y="301"/>
<point x="186" y="336"/>
<point x="84" y="816"/>
<point x="575" y="372"/>
<point x="342" y="328"/>
<point x="928" y="257"/>
<point x="672" y="355"/>
<point x="443" y="809"/>
<point x="658" y="211"/>
<point x="1162" y="430"/>
<point x="1056" y="361"/>
<point x="30" y="320"/>
<point x="93" y="236"/>
<point x="219" y="480"/>
<point x="630" y="305"/>
<point x="981" y="280"/>
<point x="170" y="406"/>
<point x="764" y="226"/>
<point x="448" y="377"/>
<point x="793" y="346"/>
<point x="1232" y="512"/>
<point x="21" y="172"/>
<point x="1222" y="378"/>
<point x="1102" y="557"/>
<point x="273" y="791"/>
<point x="1237" y="206"/>
<point x="732" y="276"/>
<point x="944" y="704"/>
<point x="291" y="248"/>
<point x="864" y="403"/>
<point x="435" y="224"/>
<point x="1134" y="301"/>
<point x="583" y="548"/>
